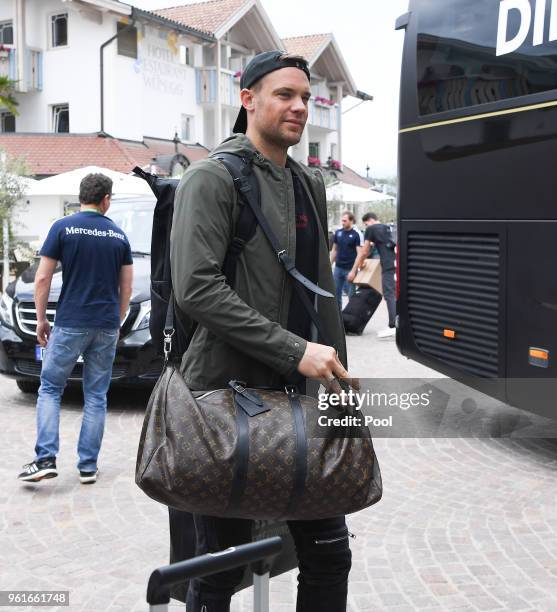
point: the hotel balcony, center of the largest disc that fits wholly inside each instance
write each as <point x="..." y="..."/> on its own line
<point x="323" y="115"/>
<point x="8" y="63"/>
<point x="206" y="87"/>
<point x="33" y="68"/>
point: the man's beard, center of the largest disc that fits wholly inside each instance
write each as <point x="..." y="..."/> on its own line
<point x="277" y="139"/>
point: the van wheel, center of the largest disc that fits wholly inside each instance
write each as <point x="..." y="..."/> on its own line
<point x="28" y="386"/>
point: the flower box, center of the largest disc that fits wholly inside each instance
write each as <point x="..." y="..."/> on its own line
<point x="321" y="101"/>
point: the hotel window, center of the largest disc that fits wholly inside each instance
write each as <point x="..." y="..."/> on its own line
<point x="6" y="33"/>
<point x="314" y="150"/>
<point x="61" y="118"/>
<point x="127" y="40"/>
<point x="187" y="134"/>
<point x="59" y="25"/>
<point x="186" y="55"/>
<point x="7" y="122"/>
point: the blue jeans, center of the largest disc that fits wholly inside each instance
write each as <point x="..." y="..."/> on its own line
<point x="64" y="347"/>
<point x="341" y="283"/>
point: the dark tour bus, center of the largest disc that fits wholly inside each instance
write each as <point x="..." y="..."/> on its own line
<point x="477" y="210"/>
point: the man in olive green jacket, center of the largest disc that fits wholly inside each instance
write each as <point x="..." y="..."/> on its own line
<point x="256" y="331"/>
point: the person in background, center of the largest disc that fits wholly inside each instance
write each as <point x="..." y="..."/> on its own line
<point x="96" y="288"/>
<point x="379" y="235"/>
<point x="343" y="254"/>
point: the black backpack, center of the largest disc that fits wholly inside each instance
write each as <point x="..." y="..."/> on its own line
<point x="162" y="296"/>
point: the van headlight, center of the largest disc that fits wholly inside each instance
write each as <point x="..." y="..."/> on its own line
<point x="143" y="316"/>
<point x="6" y="310"/>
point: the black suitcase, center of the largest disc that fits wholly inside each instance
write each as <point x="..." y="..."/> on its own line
<point x="360" y="309"/>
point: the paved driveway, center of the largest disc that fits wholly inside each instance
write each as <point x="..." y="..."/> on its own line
<point x="464" y="524"/>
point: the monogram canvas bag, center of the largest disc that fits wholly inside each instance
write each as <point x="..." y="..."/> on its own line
<point x="257" y="454"/>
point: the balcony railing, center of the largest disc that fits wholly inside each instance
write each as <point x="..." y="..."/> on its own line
<point x="323" y="115"/>
<point x="206" y="87"/>
<point x="33" y="67"/>
<point x="8" y="63"/>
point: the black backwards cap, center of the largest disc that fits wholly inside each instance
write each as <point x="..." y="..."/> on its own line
<point x="260" y="65"/>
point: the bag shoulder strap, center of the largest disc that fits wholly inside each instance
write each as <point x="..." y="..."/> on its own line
<point x="247" y="185"/>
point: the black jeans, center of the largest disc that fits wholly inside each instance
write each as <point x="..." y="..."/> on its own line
<point x="388" y="281"/>
<point x="324" y="561"/>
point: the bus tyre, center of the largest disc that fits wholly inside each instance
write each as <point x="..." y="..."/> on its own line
<point x="28" y="386"/>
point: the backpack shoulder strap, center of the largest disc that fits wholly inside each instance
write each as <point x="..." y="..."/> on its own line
<point x="239" y="167"/>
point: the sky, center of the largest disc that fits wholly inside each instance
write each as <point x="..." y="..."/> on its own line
<point x="372" y="49"/>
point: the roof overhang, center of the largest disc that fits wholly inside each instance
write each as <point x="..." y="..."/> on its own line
<point x="258" y="33"/>
<point x="328" y="62"/>
<point x="105" y="5"/>
<point x="169" y="23"/>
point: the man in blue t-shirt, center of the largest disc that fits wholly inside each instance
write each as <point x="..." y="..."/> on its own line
<point x="97" y="269"/>
<point x="343" y="254"/>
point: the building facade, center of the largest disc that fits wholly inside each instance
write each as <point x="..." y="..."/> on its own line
<point x="105" y="67"/>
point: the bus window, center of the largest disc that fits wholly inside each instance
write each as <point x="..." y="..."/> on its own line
<point x="466" y="55"/>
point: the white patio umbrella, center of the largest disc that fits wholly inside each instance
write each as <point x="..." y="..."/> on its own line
<point x="67" y="183"/>
<point x="353" y="194"/>
<point x="28" y="182"/>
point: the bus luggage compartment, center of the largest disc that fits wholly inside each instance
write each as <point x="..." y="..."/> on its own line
<point x="478" y="305"/>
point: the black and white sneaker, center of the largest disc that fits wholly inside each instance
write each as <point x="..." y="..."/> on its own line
<point x="88" y="477"/>
<point x="39" y="470"/>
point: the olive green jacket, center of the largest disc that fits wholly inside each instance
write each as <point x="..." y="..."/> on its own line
<point x="242" y="330"/>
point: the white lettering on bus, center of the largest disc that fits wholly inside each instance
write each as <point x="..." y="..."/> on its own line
<point x="524" y="7"/>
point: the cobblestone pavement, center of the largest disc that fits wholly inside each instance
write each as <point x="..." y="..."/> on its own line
<point x="464" y="524"/>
